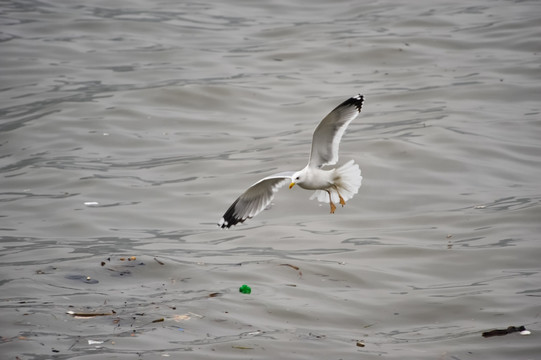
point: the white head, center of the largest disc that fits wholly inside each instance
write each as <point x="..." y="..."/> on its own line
<point x="298" y="178"/>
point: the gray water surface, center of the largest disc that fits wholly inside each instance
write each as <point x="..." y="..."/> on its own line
<point x="127" y="128"/>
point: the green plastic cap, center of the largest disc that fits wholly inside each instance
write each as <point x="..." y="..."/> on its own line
<point x="245" y="289"/>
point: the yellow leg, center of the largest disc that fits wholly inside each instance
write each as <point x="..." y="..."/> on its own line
<point x="333" y="207"/>
<point x="342" y="202"/>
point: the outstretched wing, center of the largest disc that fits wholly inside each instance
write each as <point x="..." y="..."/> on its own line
<point x="328" y="133"/>
<point x="254" y="200"/>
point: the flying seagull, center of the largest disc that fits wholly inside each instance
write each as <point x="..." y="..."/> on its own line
<point x="332" y="186"/>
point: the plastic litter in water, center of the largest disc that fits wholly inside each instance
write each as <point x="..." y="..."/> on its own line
<point x="245" y="289"/>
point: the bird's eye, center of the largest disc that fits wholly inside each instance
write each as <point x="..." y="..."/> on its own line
<point x="297" y="178"/>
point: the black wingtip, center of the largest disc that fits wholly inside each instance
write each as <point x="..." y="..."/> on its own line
<point x="226" y="224"/>
<point x="356" y="101"/>
<point x="229" y="219"/>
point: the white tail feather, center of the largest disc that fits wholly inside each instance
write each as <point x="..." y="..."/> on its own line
<point x="347" y="179"/>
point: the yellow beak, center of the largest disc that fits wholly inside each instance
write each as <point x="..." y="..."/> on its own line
<point x="291" y="185"/>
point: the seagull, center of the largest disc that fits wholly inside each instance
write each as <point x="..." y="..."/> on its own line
<point x="331" y="186"/>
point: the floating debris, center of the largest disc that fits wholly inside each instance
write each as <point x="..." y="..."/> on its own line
<point x="511" y="329"/>
<point x="120" y="266"/>
<point x="83" y="278"/>
<point x="187" y="316"/>
<point x="245" y="289"/>
<point x="179" y="318"/>
<point x="88" y="315"/>
<point x="293" y="267"/>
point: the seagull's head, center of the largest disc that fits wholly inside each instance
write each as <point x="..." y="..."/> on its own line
<point x="298" y="177"/>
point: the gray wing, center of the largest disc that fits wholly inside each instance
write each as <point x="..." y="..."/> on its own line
<point x="328" y="133"/>
<point x="255" y="199"/>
